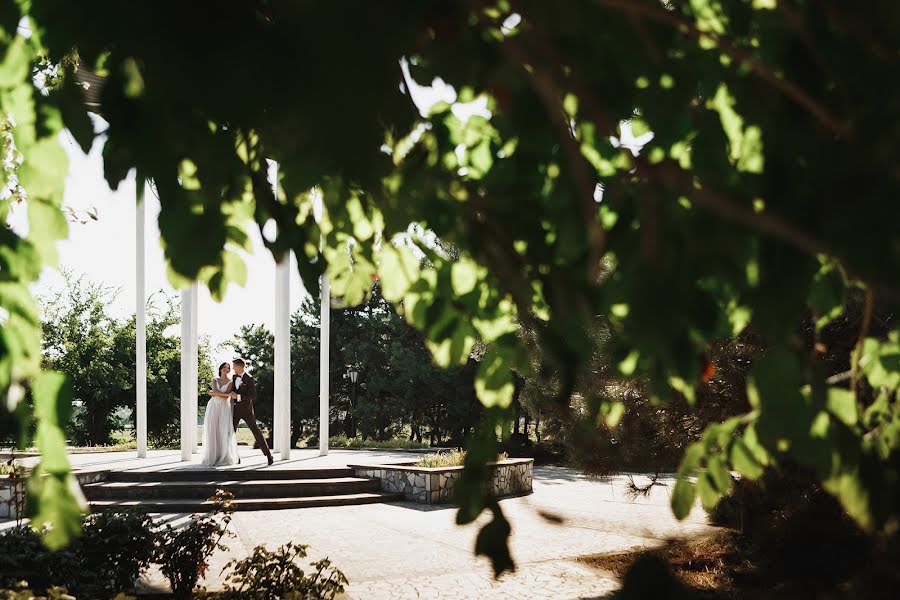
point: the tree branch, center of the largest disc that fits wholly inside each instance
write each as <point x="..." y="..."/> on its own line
<point x="863" y="333"/>
<point x="547" y="89"/>
<point x="657" y="12"/>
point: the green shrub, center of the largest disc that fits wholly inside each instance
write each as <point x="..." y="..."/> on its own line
<point x="342" y="441"/>
<point x="269" y="575"/>
<point x="183" y="553"/>
<point x="113" y="550"/>
<point x="23" y="557"/>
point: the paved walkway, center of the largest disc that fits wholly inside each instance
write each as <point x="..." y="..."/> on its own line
<point x="407" y="550"/>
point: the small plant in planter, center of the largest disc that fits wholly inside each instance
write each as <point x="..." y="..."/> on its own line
<point x="22" y="592"/>
<point x="183" y="553"/>
<point x="454" y="458"/>
<point x="270" y="575"/>
<point x="15" y="475"/>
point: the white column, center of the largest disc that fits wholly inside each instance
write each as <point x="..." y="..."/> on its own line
<point x="281" y="418"/>
<point x="187" y="423"/>
<point x="324" y="333"/>
<point x="195" y="302"/>
<point x="140" y="350"/>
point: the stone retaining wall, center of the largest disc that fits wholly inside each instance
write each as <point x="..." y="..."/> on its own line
<point x="12" y="491"/>
<point x="435" y="485"/>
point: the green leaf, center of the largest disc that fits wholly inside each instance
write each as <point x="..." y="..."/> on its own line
<point x="686" y="389"/>
<point x="16" y="299"/>
<point x="716" y="469"/>
<point x="691" y="459"/>
<point x="16" y="64"/>
<point x="55" y="500"/>
<point x="880" y="363"/>
<point x="706" y="489"/>
<point x="44" y="169"/>
<point x="46" y="225"/>
<point x="51" y="441"/>
<point x="628" y="366"/>
<point x="827" y="295"/>
<point x="683" y="496"/>
<point x="480" y="160"/>
<point x="614" y="414"/>
<point x="494" y="381"/>
<point x="743" y="460"/>
<point x="398" y="270"/>
<point x="235" y="269"/>
<point x="52" y="398"/>
<point x="746" y="146"/>
<point x="463" y="276"/>
<point x="784" y="412"/>
<point x="639" y="127"/>
<point x="842" y="404"/>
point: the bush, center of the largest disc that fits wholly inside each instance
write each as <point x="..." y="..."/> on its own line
<point x="113" y="550"/>
<point x="183" y="554"/>
<point x="23" y="557"/>
<point x="800" y="529"/>
<point x="342" y="441"/>
<point x="267" y="575"/>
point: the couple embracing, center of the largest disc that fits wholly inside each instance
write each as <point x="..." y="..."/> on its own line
<point x="230" y="400"/>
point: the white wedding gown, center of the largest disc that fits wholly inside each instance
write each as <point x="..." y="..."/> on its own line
<point x="219" y="441"/>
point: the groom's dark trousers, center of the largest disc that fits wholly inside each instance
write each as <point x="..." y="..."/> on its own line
<point x="244" y="410"/>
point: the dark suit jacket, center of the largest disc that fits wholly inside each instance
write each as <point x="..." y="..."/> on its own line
<point x="247" y="390"/>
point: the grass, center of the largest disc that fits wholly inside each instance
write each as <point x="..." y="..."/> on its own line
<point x="342" y="441"/>
<point x="115" y="447"/>
<point x="454" y="458"/>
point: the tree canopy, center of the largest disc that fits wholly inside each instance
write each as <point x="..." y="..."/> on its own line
<point x="764" y="191"/>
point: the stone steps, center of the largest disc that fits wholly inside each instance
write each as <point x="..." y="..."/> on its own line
<point x="228" y="474"/>
<point x="188" y="490"/>
<point x="259" y="488"/>
<point x="187" y="505"/>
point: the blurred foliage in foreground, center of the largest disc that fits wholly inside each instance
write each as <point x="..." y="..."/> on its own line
<point x="764" y="190"/>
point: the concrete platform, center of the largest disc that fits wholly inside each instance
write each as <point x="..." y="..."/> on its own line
<point x="160" y="461"/>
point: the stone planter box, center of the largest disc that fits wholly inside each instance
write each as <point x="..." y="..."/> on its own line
<point x="12" y="491"/>
<point x="434" y="485"/>
<point x="12" y="496"/>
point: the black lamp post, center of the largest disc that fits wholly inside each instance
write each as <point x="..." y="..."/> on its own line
<point x="353" y="372"/>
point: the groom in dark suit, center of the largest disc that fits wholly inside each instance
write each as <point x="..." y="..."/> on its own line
<point x="244" y="394"/>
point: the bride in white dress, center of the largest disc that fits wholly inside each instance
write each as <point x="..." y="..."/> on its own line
<point x="219" y="441"/>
